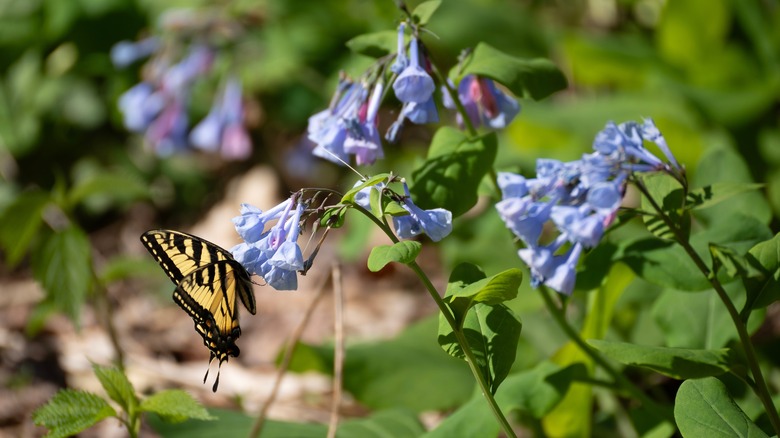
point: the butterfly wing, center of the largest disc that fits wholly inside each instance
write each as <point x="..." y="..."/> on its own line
<point x="209" y="283"/>
<point x="180" y="254"/>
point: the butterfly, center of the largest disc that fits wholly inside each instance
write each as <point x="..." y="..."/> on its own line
<point x="209" y="283"/>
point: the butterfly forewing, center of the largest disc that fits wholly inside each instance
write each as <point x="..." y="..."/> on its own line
<point x="179" y="254"/>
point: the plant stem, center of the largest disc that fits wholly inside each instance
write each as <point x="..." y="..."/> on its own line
<point x="459" y="336"/>
<point x="760" y="388"/>
<point x="618" y="377"/>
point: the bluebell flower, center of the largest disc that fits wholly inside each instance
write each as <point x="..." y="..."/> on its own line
<point x="273" y="254"/>
<point x="363" y="139"/>
<point x="223" y="128"/>
<point x="180" y="76"/>
<point x="125" y="53"/>
<point x="436" y="222"/>
<point x="401" y="61"/>
<point x="140" y="105"/>
<point x="580" y="198"/>
<point x="330" y="128"/>
<point x="421" y="112"/>
<point x="485" y="104"/>
<point x="167" y="134"/>
<point x="414" y="84"/>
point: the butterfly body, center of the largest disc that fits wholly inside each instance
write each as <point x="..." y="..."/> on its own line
<point x="209" y="282"/>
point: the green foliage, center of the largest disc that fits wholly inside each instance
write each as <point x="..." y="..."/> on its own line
<point x="63" y="266"/>
<point x="424" y="11"/>
<point x="22" y="220"/>
<point x="70" y="412"/>
<point x="534" y="78"/>
<point x="678" y="363"/>
<point x="763" y="291"/>
<point x="451" y="173"/>
<point x="703" y="407"/>
<point x="402" y="252"/>
<point x="175" y="406"/>
<point x="666" y="191"/>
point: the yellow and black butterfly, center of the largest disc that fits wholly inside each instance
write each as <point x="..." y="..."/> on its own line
<point x="209" y="283"/>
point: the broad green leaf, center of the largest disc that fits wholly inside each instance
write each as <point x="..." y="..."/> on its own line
<point x="668" y="265"/>
<point x="63" y="267"/>
<point x="399" y="423"/>
<point x="686" y="37"/>
<point x="20" y="223"/>
<point x="349" y="197"/>
<point x="230" y="423"/>
<point x="535" y="392"/>
<point x="733" y="264"/>
<point x="333" y="217"/>
<point x="721" y="164"/>
<point x="118" y="388"/>
<point x="678" y="363"/>
<point x="667" y="193"/>
<point x="492" y="333"/>
<point x="451" y="173"/>
<point x="375" y="45"/>
<point x="423" y="12"/>
<point x="527" y="78"/>
<point x="703" y="407"/>
<point x="763" y="291"/>
<point x="105" y="189"/>
<point x="404" y="252"/>
<point x="374" y="372"/>
<point x="175" y="406"/>
<point x="495" y="289"/>
<point x="716" y="193"/>
<point x="699" y="320"/>
<point x="70" y="412"/>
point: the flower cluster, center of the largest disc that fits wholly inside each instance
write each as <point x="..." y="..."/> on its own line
<point x="436" y="223"/>
<point x="157" y="107"/>
<point x="349" y="125"/>
<point x="273" y="254"/>
<point x="580" y="198"/>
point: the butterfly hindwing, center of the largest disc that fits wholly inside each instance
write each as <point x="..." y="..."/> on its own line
<point x="209" y="282"/>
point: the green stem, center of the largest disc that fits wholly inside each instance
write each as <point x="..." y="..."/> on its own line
<point x="459" y="335"/>
<point x="654" y="408"/>
<point x="761" y="389"/>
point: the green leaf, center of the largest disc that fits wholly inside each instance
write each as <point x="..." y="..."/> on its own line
<point x="763" y="291"/>
<point x="374" y="372"/>
<point x="667" y="193"/>
<point x="70" y="412"/>
<point x="703" y="407"/>
<point x="722" y="164"/>
<point x="117" y="386"/>
<point x="492" y="290"/>
<point x="349" y="197"/>
<point x="451" y="173"/>
<point x="492" y="333"/>
<point x="699" y="320"/>
<point x="226" y="423"/>
<point x="105" y="189"/>
<point x="175" y="406"/>
<point x="63" y="267"/>
<point x="716" y="193"/>
<point x="20" y="223"/>
<point x="404" y="252"/>
<point x="733" y="263"/>
<point x="535" y="392"/>
<point x="389" y="423"/>
<point x="424" y="11"/>
<point x="534" y="78"/>
<point x="375" y="45"/>
<point x="677" y="363"/>
<point x="668" y="265"/>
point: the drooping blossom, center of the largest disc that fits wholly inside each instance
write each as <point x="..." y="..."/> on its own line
<point x="484" y="102"/>
<point x="223" y="128"/>
<point x="271" y="253"/>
